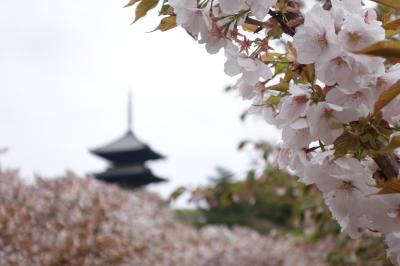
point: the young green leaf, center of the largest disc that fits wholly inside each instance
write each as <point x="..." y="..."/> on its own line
<point x="390" y="186"/>
<point x="131" y="3"/>
<point x="143" y="7"/>
<point x="386" y="48"/>
<point x="392" y="25"/>
<point x="166" y="23"/>
<point x="242" y="144"/>
<point x="394" y="143"/>
<point x="283" y="86"/>
<point x="391" y="3"/>
<point x="391" y="33"/>
<point x="346" y="143"/>
<point x="166" y="10"/>
<point x="309" y="74"/>
<point x="273" y="100"/>
<point x="249" y="27"/>
<point x="177" y="193"/>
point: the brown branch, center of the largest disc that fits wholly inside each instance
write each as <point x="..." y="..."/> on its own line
<point x="389" y="165"/>
<point x="278" y="17"/>
<point x="254" y="22"/>
<point x="327" y="5"/>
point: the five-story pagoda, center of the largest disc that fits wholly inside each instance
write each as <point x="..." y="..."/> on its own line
<point x="128" y="156"/>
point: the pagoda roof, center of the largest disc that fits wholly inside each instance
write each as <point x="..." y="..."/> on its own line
<point x="130" y="176"/>
<point x="127" y="148"/>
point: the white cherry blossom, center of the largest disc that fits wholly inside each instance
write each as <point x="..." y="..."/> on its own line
<point x="382" y="82"/>
<point x="295" y="160"/>
<point x="341" y="9"/>
<point x="316" y="39"/>
<point x="357" y="34"/>
<point x="297" y="135"/>
<point x="361" y="101"/>
<point x="213" y="38"/>
<point x="232" y="6"/>
<point x="252" y="69"/>
<point x="247" y="91"/>
<point x="260" y="8"/>
<point x="386" y="213"/>
<point x="349" y="70"/>
<point x="326" y="121"/>
<point x="189" y="16"/>
<point x="346" y="185"/>
<point x="293" y="106"/>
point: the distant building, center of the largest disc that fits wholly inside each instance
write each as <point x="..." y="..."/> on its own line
<point x="127" y="156"/>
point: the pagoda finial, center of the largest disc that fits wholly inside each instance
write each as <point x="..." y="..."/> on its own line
<point x="129" y="111"/>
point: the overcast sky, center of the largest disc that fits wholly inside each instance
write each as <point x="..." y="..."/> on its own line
<point x="66" y="68"/>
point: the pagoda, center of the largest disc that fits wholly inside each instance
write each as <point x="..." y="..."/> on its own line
<point x="127" y="156"/>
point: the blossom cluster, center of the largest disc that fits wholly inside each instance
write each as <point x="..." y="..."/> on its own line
<point x="321" y="91"/>
<point x="81" y="221"/>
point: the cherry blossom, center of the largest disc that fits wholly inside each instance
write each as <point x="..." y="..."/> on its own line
<point x="260" y="8"/>
<point x="295" y="160"/>
<point x="297" y="135"/>
<point x="293" y="106"/>
<point x="326" y="121"/>
<point x="349" y="70"/>
<point x="316" y="39"/>
<point x="361" y="102"/>
<point x="386" y="214"/>
<point x="189" y="16"/>
<point x="232" y="6"/>
<point x="252" y="69"/>
<point x="357" y="34"/>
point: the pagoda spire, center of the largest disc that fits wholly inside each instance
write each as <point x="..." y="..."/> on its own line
<point x="130" y="111"/>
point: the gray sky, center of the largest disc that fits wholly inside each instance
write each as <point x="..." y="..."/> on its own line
<point x="66" y="67"/>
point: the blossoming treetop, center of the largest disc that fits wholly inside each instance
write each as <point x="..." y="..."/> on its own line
<point x="329" y="79"/>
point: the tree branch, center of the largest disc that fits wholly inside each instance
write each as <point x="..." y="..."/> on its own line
<point x="327" y="5"/>
<point x="278" y="17"/>
<point x="254" y="22"/>
<point x="389" y="165"/>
